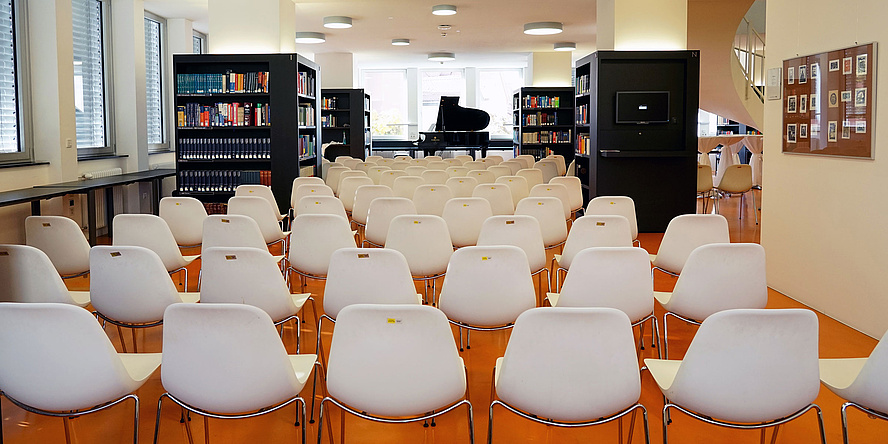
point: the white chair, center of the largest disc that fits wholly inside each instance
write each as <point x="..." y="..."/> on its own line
<point x="373" y="159"/>
<point x="528" y="160"/>
<point x="513" y="165"/>
<point x="62" y="241"/>
<point x="303" y="180"/>
<point x="462" y="186"/>
<point x="548" y="167"/>
<point x="496" y="160"/>
<point x="344" y="175"/>
<point x="347" y="189"/>
<point x="307" y="190"/>
<point x="259" y="211"/>
<point x="571" y="168"/>
<point x="500" y="171"/>
<point x="405" y="186"/>
<point x="27" y="275"/>
<point x="263" y="192"/>
<point x="683" y="235"/>
<point x="435" y="177"/>
<point x="364" y="195"/>
<point x="350" y="162"/>
<point x="517" y="186"/>
<point x="486" y="288"/>
<point x="499" y="195"/>
<point x="333" y="174"/>
<point x="745" y="369"/>
<point x="321" y="205"/>
<point x="315" y="237"/>
<point x="430" y="199"/>
<point x="861" y="381"/>
<point x="375" y="173"/>
<point x="379" y="217"/>
<point x="433" y="158"/>
<point x="533" y="176"/>
<point x="400" y="165"/>
<point x="425" y="241"/>
<point x="591" y="231"/>
<point x="437" y="165"/>
<point x="185" y="217"/>
<point x="388" y="177"/>
<point x="464" y="217"/>
<point x="737" y="179"/>
<point x="226" y="361"/>
<point x="548" y="212"/>
<point x="384" y="374"/>
<point x="620" y="205"/>
<point x="415" y="170"/>
<point x="472" y="165"/>
<point x="325" y="169"/>
<point x="464" y="158"/>
<point x="574" y="191"/>
<point x="523" y="232"/>
<point x="385" y="162"/>
<point x="559" y="162"/>
<point x="343" y="158"/>
<point x="457" y="171"/>
<point x="364" y="166"/>
<point x="419" y="162"/>
<point x="586" y="357"/>
<point x="403" y="158"/>
<point x="128" y="288"/>
<point x="482" y="176"/>
<point x="453" y="162"/>
<point x="553" y="190"/>
<point x="233" y="230"/>
<point x="704" y="184"/>
<point x="153" y="233"/>
<point x="57" y="361"/>
<point x="716" y="277"/>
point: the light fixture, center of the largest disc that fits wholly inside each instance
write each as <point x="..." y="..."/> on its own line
<point x="565" y="46"/>
<point x="442" y="57"/>
<point x="443" y="9"/>
<point x="337" y="22"/>
<point x="310" y="37"/>
<point x="542" y="28"/>
<point x="400" y="42"/>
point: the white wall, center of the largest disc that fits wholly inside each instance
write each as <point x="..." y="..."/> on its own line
<point x="337" y="69"/>
<point x="824" y="218"/>
<point x="551" y="68"/>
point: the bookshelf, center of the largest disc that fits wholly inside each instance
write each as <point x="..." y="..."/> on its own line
<point x="582" y="140"/>
<point x="345" y="118"/>
<point x="245" y="119"/>
<point x="543" y="122"/>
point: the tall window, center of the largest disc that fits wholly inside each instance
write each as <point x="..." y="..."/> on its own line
<point x="388" y="107"/>
<point x="495" y="90"/>
<point x="435" y="84"/>
<point x="90" y="95"/>
<point x="154" y="82"/>
<point x="12" y="148"/>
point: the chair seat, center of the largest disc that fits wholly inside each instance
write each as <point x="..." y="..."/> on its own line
<point x="299" y="299"/>
<point x="496" y="369"/>
<point x="191" y="297"/>
<point x="663" y="297"/>
<point x="302" y="365"/>
<point x="558" y="258"/>
<point x="279" y="258"/>
<point x="663" y="371"/>
<point x="653" y="257"/>
<point x="190" y="258"/>
<point x="553" y="298"/>
<point x="839" y="374"/>
<point x="80" y="298"/>
<point x="140" y="366"/>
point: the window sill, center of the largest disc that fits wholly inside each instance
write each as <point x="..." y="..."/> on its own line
<point x="22" y="164"/>
<point x="101" y="157"/>
<point x="151" y="153"/>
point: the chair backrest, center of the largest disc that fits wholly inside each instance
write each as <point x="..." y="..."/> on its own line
<point x="367" y="276"/>
<point x="346" y="174"/>
<point x="514" y="166"/>
<point x="27" y="275"/>
<point x="463" y="158"/>
<point x="500" y="171"/>
<point x="595" y="231"/>
<point x="622" y="205"/>
<point x="62" y="241"/>
<point x="388" y="177"/>
<point x="415" y="170"/>
<point x="553" y="190"/>
<point x="325" y="169"/>
<point x="462" y="186"/>
<point x="379" y="216"/>
<point x="386" y="370"/>
<point x="403" y="158"/>
<point x="433" y="158"/>
<point x="482" y="176"/>
<point x="420" y="162"/>
<point x="574" y="190"/>
<point x="184" y="216"/>
<point x="259" y="210"/>
<point x="303" y="180"/>
<point x="153" y="233"/>
<point x="342" y="158"/>
<point x="375" y="173"/>
<point x="225" y="358"/>
<point x="348" y="187"/>
<point x="364" y="166"/>
<point x="736" y="179"/>
<point x="548" y="212"/>
<point x="499" y="195"/>
<point x="457" y="171"/>
<point x="474" y="165"/>
<point x="430" y="199"/>
<point x="517" y="186"/>
<point x="385" y="162"/>
<point x="373" y="159"/>
<point x="869" y="388"/>
<point x="595" y="344"/>
<point x="400" y="165"/>
<point x="615" y="277"/>
<point x="314" y="238"/>
<point x="258" y="191"/>
<point x="232" y="230"/>
<point x="559" y="162"/>
<point x="333" y="174"/>
<point x="364" y="195"/>
<point x="534" y="176"/>
<point x="464" y="217"/>
<point x="453" y="162"/>
<point x="549" y="169"/>
<point x="424" y="240"/>
<point x="56" y="357"/>
<point x="704" y="178"/>
<point x="527" y="159"/>
<point x="308" y="190"/>
<point x="487" y="286"/>
<point x="405" y="186"/>
<point x="437" y="165"/>
<point x="351" y="163"/>
<point x="687" y="232"/>
<point x="571" y="168"/>
<point x="239" y="275"/>
<point x="496" y="160"/>
<point x="130" y="284"/>
<point x="750" y="365"/>
<point x="435" y="177"/>
<point x="520" y="231"/>
<point x="719" y="277"/>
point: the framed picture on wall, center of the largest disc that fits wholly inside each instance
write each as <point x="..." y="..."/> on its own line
<point x="803" y="131"/>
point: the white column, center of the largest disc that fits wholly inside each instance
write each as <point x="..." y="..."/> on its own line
<point x="338" y="69"/>
<point x="551" y="68"/>
<point x="255" y="27"/>
<point x="627" y="25"/>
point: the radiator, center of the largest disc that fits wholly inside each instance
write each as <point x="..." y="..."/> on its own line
<point x="101" y="173"/>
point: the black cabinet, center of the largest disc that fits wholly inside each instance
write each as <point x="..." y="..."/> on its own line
<point x="345" y="119"/>
<point x="543" y="122"/>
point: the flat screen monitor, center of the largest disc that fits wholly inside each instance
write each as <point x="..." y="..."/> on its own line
<point x="642" y="107"/>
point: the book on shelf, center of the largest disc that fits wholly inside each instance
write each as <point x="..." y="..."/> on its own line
<point x="582" y="114"/>
<point x="214" y="181"/>
<point x="329" y="103"/>
<point x="305" y="84"/>
<point x="584" y="145"/>
<point x="329" y="121"/>
<point x="541" y="102"/>
<point x="192" y="115"/>
<point x="546" y="137"/>
<point x="216" y="208"/>
<point x="306" y="115"/>
<point x="224" y="148"/>
<point x="583" y="84"/>
<point x="306" y="145"/>
<point x="540" y="119"/>
<point x="223" y="83"/>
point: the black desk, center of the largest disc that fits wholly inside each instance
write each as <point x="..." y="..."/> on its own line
<point x="33" y="195"/>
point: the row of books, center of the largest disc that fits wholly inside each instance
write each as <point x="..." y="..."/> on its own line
<point x="546" y="137"/>
<point x="306" y="115"/>
<point x="540" y="102"/>
<point x="330" y="121"/>
<point x="329" y="103"/>
<point x="540" y="119"/>
<point x="583" y="84"/>
<point x="216" y="148"/>
<point x="305" y="84"/>
<point x="584" y="145"/>
<point x="216" y="207"/>
<point x="583" y="114"/>
<point x="223" y="114"/>
<point x="221" y="180"/>
<point x="228" y="83"/>
<point x="307" y="145"/>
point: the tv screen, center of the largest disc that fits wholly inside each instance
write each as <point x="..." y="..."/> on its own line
<point x="642" y="107"/>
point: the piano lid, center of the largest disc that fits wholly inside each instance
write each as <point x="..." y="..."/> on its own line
<point x="452" y="117"/>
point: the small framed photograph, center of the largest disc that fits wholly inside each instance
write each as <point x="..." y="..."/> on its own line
<point x="861" y="64"/>
<point x="860" y="97"/>
<point x="791" y="133"/>
<point x="833" y="98"/>
<point x="803" y="131"/>
<point x="813" y="105"/>
<point x="846" y="131"/>
<point x="815" y="130"/>
<point x="815" y="70"/>
<point x="847" y="65"/>
<point x="860" y="127"/>
<point x="803" y="74"/>
<point x="846" y="96"/>
<point x="791" y="104"/>
<point x="834" y="65"/>
<point x="803" y="103"/>
<point x="790" y="75"/>
<point x="832" y="131"/>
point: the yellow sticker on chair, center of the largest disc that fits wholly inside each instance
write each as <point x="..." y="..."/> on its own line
<point x="510" y="222"/>
<point x="484" y="258"/>
<point x="613" y="203"/>
<point x="599" y="224"/>
<point x="225" y="221"/>
<point x="230" y="257"/>
<point x="363" y="255"/>
<point x="4" y="253"/>
<point x="178" y="203"/>
<point x="115" y="253"/>
<point x="539" y="203"/>
<point x="393" y="321"/>
<point x="46" y="224"/>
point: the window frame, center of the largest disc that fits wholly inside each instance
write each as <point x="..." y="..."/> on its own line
<point x="200" y="37"/>
<point x="21" y="61"/>
<point x="108" y="75"/>
<point x="165" y="80"/>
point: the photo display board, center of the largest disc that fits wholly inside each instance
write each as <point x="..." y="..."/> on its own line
<point x="829" y="103"/>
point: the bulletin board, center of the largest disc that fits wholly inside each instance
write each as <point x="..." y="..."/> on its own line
<point x="829" y="103"/>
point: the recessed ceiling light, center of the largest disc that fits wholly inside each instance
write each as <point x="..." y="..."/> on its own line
<point x="338" y="22"/>
<point x="443" y="9"/>
<point x="442" y="56"/>
<point x="542" y="28"/>
<point x="565" y="46"/>
<point x="400" y="42"/>
<point x="310" y="37"/>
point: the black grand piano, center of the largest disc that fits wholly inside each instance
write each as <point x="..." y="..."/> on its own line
<point x="457" y="128"/>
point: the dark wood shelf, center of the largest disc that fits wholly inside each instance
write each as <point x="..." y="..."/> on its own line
<point x="350" y="119"/>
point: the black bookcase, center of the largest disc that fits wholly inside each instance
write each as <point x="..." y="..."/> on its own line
<point x="345" y="119"/>
<point x="648" y="150"/>
<point x="243" y="119"/>
<point x="543" y="121"/>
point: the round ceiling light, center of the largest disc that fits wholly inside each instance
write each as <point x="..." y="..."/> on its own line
<point x="443" y="10"/>
<point x="400" y="42"/>
<point x="310" y="37"/>
<point x="543" y="28"/>
<point x="442" y="57"/>
<point x="565" y="46"/>
<point x="337" y="22"/>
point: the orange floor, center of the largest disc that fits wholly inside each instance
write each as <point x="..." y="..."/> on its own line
<point x="113" y="425"/>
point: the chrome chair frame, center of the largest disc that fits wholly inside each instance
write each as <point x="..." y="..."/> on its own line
<point x="762" y="426"/>
<point x="863" y="409"/>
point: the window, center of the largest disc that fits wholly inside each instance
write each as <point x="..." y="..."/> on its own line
<point x="154" y="83"/>
<point x="200" y="43"/>
<point x="495" y="90"/>
<point x="435" y="84"/>
<point x="388" y="108"/>
<point x="12" y="146"/>
<point x="90" y="94"/>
